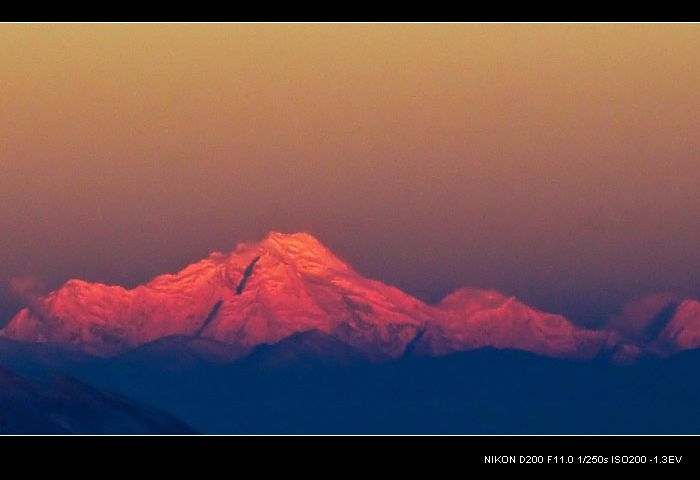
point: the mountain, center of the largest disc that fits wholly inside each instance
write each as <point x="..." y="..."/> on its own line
<point x="262" y="293"/>
<point x="470" y="319"/>
<point x="177" y="351"/>
<point x="682" y="332"/>
<point x="66" y="406"/>
<point x="311" y="384"/>
<point x="308" y="348"/>
<point x="661" y="324"/>
<point x="282" y="336"/>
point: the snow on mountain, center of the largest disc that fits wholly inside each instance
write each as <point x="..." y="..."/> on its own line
<point x="262" y="293"/>
<point x="471" y="319"/>
<point x="659" y="324"/>
<point x="682" y="331"/>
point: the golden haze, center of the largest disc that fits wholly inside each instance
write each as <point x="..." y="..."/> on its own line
<point x="560" y="163"/>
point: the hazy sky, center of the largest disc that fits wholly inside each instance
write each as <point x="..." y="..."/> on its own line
<point x="559" y="163"/>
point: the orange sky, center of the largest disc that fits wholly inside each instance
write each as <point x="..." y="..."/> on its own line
<point x="560" y="163"/>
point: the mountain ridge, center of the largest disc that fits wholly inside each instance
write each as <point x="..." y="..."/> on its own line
<point x="63" y="405"/>
<point x="264" y="292"/>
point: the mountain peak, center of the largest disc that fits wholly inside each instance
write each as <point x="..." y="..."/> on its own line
<point x="296" y="237"/>
<point x="295" y="243"/>
<point x="300" y="249"/>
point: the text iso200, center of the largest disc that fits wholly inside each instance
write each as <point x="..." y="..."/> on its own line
<point x="629" y="459"/>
